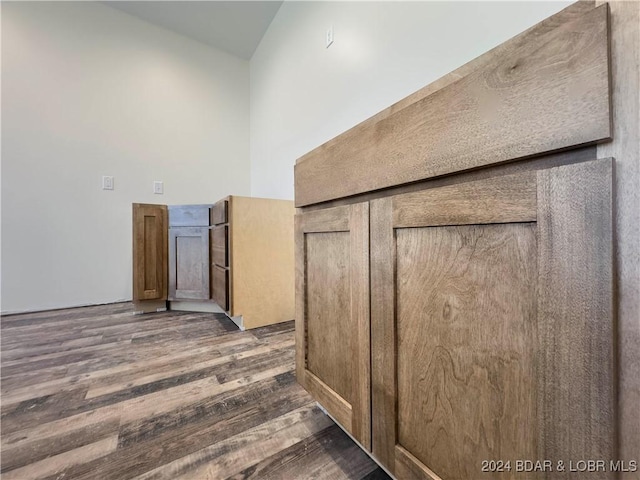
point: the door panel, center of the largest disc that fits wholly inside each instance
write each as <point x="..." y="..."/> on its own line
<point x="328" y="334"/>
<point x="189" y="257"/>
<point x="492" y="324"/>
<point x="466" y="323"/>
<point x="149" y="252"/>
<point x="332" y="313"/>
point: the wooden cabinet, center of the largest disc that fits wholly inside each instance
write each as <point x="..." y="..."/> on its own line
<point x="149" y="249"/>
<point x="220" y="253"/>
<point x="189" y="263"/>
<point x="491" y="323"/>
<point x="448" y="321"/>
<point x="189" y="276"/>
<point x="237" y="253"/>
<point x="149" y="256"/>
<point x="500" y="342"/>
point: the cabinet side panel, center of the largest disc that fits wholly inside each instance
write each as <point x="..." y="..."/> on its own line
<point x="329" y="322"/>
<point x="262" y="260"/>
<point x="466" y="345"/>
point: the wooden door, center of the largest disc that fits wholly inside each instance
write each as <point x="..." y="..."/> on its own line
<point x="332" y="313"/>
<point x="492" y="326"/>
<point x="149" y="252"/>
<point x="189" y="263"/>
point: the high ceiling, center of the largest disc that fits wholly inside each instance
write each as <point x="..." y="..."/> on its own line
<point x="235" y="27"/>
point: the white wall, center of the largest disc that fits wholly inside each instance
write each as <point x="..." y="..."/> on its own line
<point x="303" y="94"/>
<point x="87" y="91"/>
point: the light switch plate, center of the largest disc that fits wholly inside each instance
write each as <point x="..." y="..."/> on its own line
<point x="158" y="187"/>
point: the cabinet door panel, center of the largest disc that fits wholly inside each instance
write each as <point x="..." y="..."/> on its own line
<point x="492" y="324"/>
<point x="189" y="263"/>
<point x="149" y="252"/>
<point x="332" y="313"/>
<point x="466" y="317"/>
<point x="328" y="332"/>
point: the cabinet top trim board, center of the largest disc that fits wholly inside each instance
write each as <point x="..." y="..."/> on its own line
<point x="545" y="90"/>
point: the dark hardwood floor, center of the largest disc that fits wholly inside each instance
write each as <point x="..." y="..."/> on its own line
<point x="99" y="393"/>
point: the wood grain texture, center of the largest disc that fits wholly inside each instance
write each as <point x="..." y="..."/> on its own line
<point x="324" y="448"/>
<point x="408" y="466"/>
<point x="150" y="244"/>
<point x="503" y="199"/>
<point x="220" y="286"/>
<point x="329" y="326"/>
<point x="439" y="134"/>
<point x="330" y="400"/>
<point x="332" y="314"/>
<point x="466" y="346"/>
<point x="625" y="148"/>
<point x="262" y="285"/>
<point x="236" y="453"/>
<point x="189" y="263"/>
<point x="220" y="245"/>
<point x="219" y="212"/>
<point x="329" y="220"/>
<point x="557" y="159"/>
<point x="54" y="464"/>
<point x="300" y="295"/>
<point x="383" y="332"/>
<point x="360" y="313"/>
<point x="162" y="402"/>
<point x="577" y="403"/>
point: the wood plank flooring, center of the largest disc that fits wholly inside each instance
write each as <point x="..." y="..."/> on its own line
<point x="97" y="393"/>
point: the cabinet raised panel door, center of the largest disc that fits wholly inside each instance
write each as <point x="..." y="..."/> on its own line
<point x="492" y="324"/>
<point x="332" y="313"/>
<point x="189" y="258"/>
<point x="149" y="252"/>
